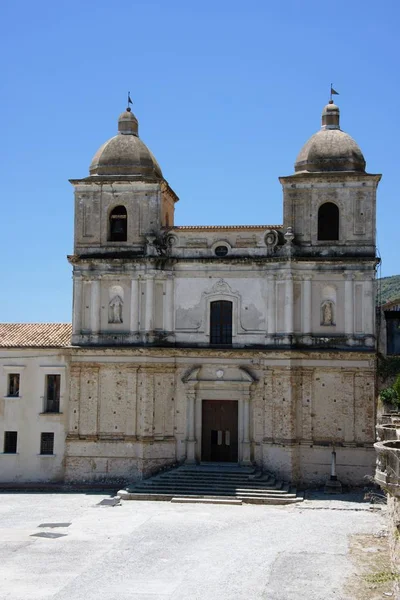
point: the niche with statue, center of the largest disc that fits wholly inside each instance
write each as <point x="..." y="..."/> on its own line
<point x="328" y="307"/>
<point x="116" y="304"/>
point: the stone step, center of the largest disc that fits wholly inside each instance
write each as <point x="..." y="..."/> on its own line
<point x="195" y="480"/>
<point x="194" y="490"/>
<point x="209" y="477"/>
<point x="213" y="473"/>
<point x="219" y="470"/>
<point x="209" y="488"/>
<point x="219" y="467"/>
<point x="273" y="500"/>
<point x="216" y="484"/>
<point x="186" y="500"/>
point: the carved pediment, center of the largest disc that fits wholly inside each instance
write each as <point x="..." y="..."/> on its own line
<point x="220" y="287"/>
<point x="207" y="373"/>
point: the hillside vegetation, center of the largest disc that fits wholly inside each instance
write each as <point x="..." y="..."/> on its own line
<point x="388" y="288"/>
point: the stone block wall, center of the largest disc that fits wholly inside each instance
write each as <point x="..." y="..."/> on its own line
<point x="135" y="411"/>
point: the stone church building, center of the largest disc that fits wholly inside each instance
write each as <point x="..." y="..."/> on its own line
<point x="241" y="344"/>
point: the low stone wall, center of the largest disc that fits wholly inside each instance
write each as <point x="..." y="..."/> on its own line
<point x="387" y="475"/>
<point x="393" y="505"/>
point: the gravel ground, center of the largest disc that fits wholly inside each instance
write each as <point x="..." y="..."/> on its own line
<point x="76" y="546"/>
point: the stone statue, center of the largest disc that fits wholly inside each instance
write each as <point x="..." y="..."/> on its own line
<point x="327" y="313"/>
<point x="115" y="310"/>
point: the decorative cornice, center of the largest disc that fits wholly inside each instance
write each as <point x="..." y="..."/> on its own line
<point x="225" y="227"/>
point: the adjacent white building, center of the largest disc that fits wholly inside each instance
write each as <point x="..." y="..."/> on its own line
<point x="33" y="401"/>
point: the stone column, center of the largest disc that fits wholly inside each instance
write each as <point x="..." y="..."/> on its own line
<point x="95" y="306"/>
<point x="74" y="401"/>
<point x="169" y="304"/>
<point x="271" y="301"/>
<point x="191" y="440"/>
<point x="369" y="298"/>
<point x="246" y="430"/>
<point x="268" y="404"/>
<point x="306" y="405"/>
<point x="306" y="325"/>
<point x="348" y="401"/>
<point x="77" y="309"/>
<point x="131" y="402"/>
<point x="89" y="404"/>
<point x="289" y="304"/>
<point x="134" y="313"/>
<point x="348" y="304"/>
<point x="149" y="303"/>
<point x="198" y="426"/>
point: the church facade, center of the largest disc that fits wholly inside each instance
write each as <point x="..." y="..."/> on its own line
<point x="241" y="344"/>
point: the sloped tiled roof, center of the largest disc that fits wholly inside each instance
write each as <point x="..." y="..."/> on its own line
<point x="35" y="335"/>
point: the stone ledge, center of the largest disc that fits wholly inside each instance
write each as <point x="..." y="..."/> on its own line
<point x="387" y="473"/>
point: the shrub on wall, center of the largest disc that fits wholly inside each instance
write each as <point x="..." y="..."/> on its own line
<point x="390" y="395"/>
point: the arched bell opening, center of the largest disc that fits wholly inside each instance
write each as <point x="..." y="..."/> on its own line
<point x="118" y="225"/>
<point x="328" y="222"/>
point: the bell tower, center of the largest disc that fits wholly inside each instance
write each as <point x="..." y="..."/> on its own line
<point x="330" y="204"/>
<point x="124" y="202"/>
<point x="330" y="201"/>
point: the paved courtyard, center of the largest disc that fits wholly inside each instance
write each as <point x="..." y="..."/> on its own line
<point x="69" y="546"/>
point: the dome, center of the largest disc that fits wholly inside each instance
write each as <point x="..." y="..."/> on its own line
<point x="330" y="149"/>
<point x="125" y="153"/>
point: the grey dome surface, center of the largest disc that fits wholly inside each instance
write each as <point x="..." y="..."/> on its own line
<point x="125" y="153"/>
<point x="330" y="149"/>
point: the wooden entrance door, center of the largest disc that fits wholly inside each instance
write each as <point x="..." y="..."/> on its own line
<point x="219" y="431"/>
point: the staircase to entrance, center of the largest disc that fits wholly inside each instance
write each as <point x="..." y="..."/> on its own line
<point x="213" y="483"/>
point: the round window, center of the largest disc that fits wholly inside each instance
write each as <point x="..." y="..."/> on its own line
<point x="221" y="251"/>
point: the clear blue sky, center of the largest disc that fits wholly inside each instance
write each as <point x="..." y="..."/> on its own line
<point x="226" y="93"/>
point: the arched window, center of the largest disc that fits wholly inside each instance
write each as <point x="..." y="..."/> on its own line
<point x="118" y="225"/>
<point x="328" y="222"/>
<point x="221" y="322"/>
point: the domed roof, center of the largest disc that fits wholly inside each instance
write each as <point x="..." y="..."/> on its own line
<point x="125" y="153"/>
<point x="330" y="149"/>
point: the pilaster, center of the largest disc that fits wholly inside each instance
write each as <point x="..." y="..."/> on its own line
<point x="134" y="312"/>
<point x="95" y="306"/>
<point x="306" y="305"/>
<point x="349" y="304"/>
<point x="77" y="306"/>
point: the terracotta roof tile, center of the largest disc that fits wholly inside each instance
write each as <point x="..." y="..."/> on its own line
<point x="38" y="335"/>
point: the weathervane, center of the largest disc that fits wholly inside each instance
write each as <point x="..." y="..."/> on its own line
<point x="333" y="93"/>
<point x="130" y="102"/>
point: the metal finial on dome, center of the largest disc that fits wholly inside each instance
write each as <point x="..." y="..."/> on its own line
<point x="128" y="108"/>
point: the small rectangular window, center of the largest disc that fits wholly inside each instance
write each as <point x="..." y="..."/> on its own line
<point x="47" y="443"/>
<point x="13" y="385"/>
<point x="10" y="442"/>
<point x="52" y="399"/>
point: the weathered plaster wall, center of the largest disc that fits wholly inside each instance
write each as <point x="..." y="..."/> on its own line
<point x="280" y="300"/>
<point x="353" y="193"/>
<point x="94" y="202"/>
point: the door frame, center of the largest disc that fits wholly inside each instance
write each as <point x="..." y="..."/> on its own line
<point x="236" y="405"/>
<point x="237" y="387"/>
